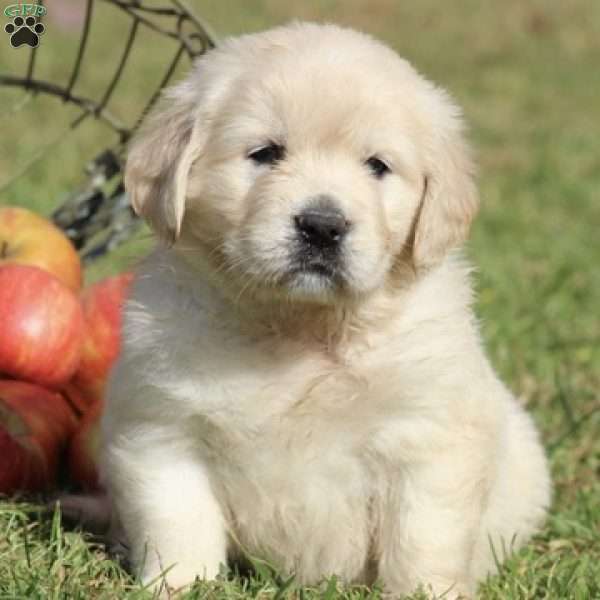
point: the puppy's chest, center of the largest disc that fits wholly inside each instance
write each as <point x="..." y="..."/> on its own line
<point x="288" y="399"/>
<point x="276" y="410"/>
<point x="283" y="450"/>
<point x="286" y="435"/>
<point x="248" y="401"/>
<point x="275" y="428"/>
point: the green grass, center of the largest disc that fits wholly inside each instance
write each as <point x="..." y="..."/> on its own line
<point x="527" y="75"/>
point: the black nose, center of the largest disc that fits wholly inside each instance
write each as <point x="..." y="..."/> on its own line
<point x="321" y="227"/>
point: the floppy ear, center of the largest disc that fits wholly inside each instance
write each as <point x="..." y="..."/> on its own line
<point x="159" y="161"/>
<point x="450" y="198"/>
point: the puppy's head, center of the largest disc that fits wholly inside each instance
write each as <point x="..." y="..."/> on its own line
<point x="304" y="162"/>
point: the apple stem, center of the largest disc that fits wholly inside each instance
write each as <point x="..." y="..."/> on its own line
<point x="4" y="249"/>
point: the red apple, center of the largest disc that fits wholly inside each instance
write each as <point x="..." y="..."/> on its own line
<point x="42" y="326"/>
<point x="102" y="306"/>
<point x="35" y="425"/>
<point x="29" y="239"/>
<point x="85" y="448"/>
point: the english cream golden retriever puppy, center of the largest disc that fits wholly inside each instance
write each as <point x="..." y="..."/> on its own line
<point x="302" y="377"/>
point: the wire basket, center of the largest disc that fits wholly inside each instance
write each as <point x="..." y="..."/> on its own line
<point x="97" y="216"/>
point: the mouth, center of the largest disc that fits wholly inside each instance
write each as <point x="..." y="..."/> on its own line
<point x="314" y="278"/>
<point x="325" y="263"/>
<point x="316" y="268"/>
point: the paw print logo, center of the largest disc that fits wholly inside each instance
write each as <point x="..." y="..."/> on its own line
<point x="24" y="31"/>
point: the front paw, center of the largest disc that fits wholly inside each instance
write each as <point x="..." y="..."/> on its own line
<point x="167" y="581"/>
<point x="166" y="584"/>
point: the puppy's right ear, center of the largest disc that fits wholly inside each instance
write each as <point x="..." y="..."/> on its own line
<point x="159" y="161"/>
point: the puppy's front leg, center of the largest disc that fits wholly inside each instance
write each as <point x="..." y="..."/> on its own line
<point x="430" y="525"/>
<point x="170" y="515"/>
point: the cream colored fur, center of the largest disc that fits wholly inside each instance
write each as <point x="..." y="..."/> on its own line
<point x="355" y="429"/>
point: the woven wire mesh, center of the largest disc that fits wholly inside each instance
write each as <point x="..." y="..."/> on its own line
<point x="97" y="216"/>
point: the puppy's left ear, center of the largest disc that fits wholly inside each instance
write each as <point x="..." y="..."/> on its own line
<point x="159" y="161"/>
<point x="450" y="198"/>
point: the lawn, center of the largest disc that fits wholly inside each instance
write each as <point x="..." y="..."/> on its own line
<point x="528" y="77"/>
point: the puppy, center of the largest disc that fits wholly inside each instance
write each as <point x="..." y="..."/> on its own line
<point x="302" y="377"/>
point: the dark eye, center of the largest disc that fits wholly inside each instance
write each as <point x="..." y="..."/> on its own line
<point x="267" y="155"/>
<point x="377" y="166"/>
